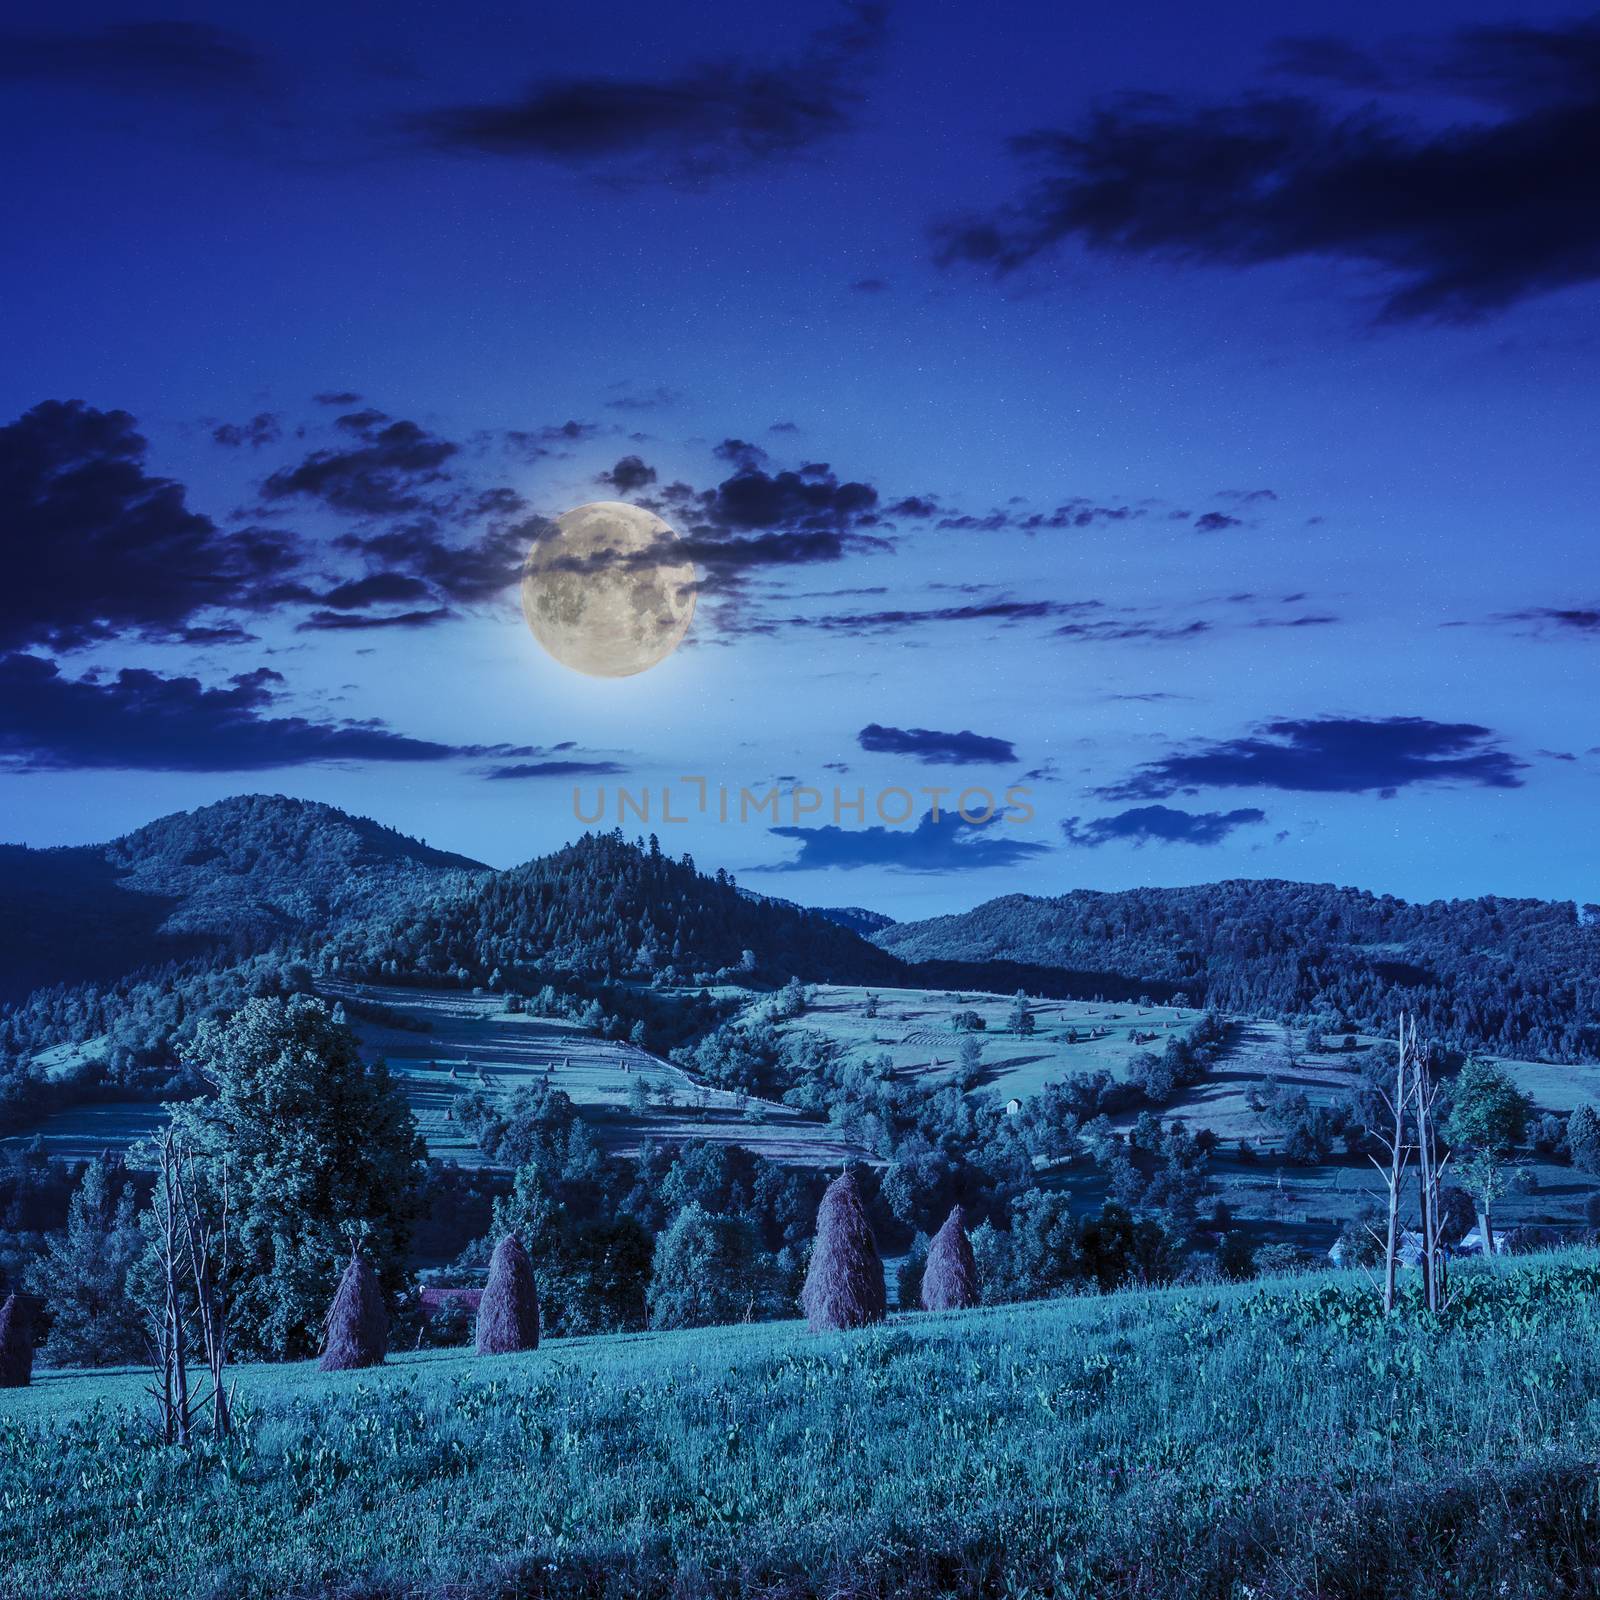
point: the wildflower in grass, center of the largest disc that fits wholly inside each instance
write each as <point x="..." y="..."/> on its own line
<point x="950" y="1279"/>
<point x="16" y="1342"/>
<point x="508" y="1314"/>
<point x="358" y="1324"/>
<point x="844" y="1284"/>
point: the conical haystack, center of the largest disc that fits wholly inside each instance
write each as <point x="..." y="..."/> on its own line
<point x="508" y="1314"/>
<point x="950" y="1278"/>
<point x="844" y="1284"/>
<point x="358" y="1324"/>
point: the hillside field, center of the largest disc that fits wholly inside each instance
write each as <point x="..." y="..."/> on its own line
<point x="472" y="1042"/>
<point x="1274" y="1440"/>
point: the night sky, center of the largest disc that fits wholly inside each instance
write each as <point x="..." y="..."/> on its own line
<point x="1191" y="424"/>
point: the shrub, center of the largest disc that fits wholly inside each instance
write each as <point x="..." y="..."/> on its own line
<point x="358" y="1324"/>
<point x="844" y="1285"/>
<point x="16" y="1342"/>
<point x="508" y="1314"/>
<point x="1583" y="1138"/>
<point x="950" y="1278"/>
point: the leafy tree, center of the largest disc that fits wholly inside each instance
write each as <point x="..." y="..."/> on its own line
<point x="1236" y="1257"/>
<point x="707" y="1270"/>
<point x="1583" y="1138"/>
<point x="83" y="1276"/>
<point x="315" y="1142"/>
<point x="1487" y="1120"/>
<point x="1021" y="1020"/>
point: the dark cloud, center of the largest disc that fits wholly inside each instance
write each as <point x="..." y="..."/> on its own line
<point x="1332" y="755"/>
<point x="381" y="588"/>
<point x="553" y="439"/>
<point x="391" y="468"/>
<point x="96" y="546"/>
<point x="1581" y="620"/>
<point x="1070" y="514"/>
<point x="706" y="122"/>
<point x="629" y="475"/>
<point x="1160" y="824"/>
<point x="263" y="428"/>
<point x="558" y="768"/>
<point x="740" y="452"/>
<point x="630" y="398"/>
<point x="1457" y="219"/>
<point x="143" y="57"/>
<point x="936" y="749"/>
<point x="1248" y="497"/>
<point x="952" y="844"/>
<point x="1214" y="522"/>
<point x="467" y="573"/>
<point x="354" y="622"/>
<point x="337" y="397"/>
<point x="140" y="720"/>
<point x="784" y="427"/>
<point x="871" y="285"/>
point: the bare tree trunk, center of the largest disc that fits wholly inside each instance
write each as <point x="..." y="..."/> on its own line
<point x="1396" y="1162"/>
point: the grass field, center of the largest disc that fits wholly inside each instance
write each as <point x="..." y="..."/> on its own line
<point x="1263" y="1441"/>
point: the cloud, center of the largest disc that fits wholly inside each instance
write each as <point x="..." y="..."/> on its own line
<point x="1457" y="219"/>
<point x="559" y="768"/>
<point x="1077" y="513"/>
<point x="952" y="844"/>
<point x="337" y="397"/>
<point x="709" y="121"/>
<point x="469" y="573"/>
<point x="936" y="749"/>
<point x="163" y="58"/>
<point x="1214" y="522"/>
<point x="631" y="398"/>
<point x="1332" y="755"/>
<point x="262" y="428"/>
<point x="383" y="473"/>
<point x="1581" y="620"/>
<point x="96" y="546"/>
<point x="347" y="622"/>
<point x="536" y="443"/>
<point x="628" y="476"/>
<point x="140" y="720"/>
<point x="1161" y="824"/>
<point x="871" y="285"/>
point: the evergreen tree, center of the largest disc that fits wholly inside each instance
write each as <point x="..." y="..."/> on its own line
<point x="83" y="1277"/>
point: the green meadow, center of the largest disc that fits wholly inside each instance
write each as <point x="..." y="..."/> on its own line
<point x="1265" y="1441"/>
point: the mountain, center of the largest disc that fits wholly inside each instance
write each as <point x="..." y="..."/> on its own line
<point x="232" y="876"/>
<point x="603" y="907"/>
<point x="1516" y="977"/>
<point x="857" y="919"/>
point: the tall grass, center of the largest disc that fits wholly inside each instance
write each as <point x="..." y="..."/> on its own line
<point x="1251" y="1442"/>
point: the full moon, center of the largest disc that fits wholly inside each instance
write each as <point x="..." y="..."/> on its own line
<point x="598" y="594"/>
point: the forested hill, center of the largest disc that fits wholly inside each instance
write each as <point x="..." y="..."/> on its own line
<point x="606" y="908"/>
<point x="231" y="876"/>
<point x="1516" y="977"/>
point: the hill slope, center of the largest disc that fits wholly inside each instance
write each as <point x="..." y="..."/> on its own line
<point x="232" y="876"/>
<point x="603" y="907"/>
<point x="1511" y="976"/>
<point x="1274" y="1440"/>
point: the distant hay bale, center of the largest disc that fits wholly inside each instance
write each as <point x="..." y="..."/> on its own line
<point x="16" y="1341"/>
<point x="950" y="1278"/>
<point x="508" y="1313"/>
<point x="358" y="1324"/>
<point x="844" y="1284"/>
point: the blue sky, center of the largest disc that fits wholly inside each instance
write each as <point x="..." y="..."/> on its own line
<point x="1222" y="403"/>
